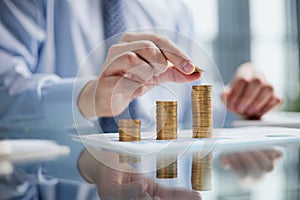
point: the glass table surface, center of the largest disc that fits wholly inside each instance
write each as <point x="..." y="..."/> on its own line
<point x="259" y="172"/>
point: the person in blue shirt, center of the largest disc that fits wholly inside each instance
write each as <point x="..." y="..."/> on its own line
<point x="44" y="42"/>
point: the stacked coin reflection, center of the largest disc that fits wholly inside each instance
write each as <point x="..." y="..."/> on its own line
<point x="202" y="111"/>
<point x="166" y="120"/>
<point x="127" y="158"/>
<point x="201" y="172"/>
<point x="129" y="130"/>
<point x="166" y="166"/>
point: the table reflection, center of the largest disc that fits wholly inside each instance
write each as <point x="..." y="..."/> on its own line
<point x="251" y="166"/>
<point x="126" y="182"/>
<point x="122" y="179"/>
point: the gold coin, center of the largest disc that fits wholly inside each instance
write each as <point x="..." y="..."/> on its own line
<point x="166" y="120"/>
<point x="202" y="121"/>
<point x="129" y="130"/>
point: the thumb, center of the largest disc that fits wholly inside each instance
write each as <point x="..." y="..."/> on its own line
<point x="133" y="189"/>
<point x="174" y="75"/>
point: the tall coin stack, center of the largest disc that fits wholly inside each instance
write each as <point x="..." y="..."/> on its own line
<point x="129" y="130"/>
<point x="202" y="111"/>
<point x="166" y="120"/>
<point x="201" y="172"/>
<point x="166" y="167"/>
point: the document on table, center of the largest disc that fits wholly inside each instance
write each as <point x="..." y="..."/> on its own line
<point x="245" y="138"/>
<point x="278" y="119"/>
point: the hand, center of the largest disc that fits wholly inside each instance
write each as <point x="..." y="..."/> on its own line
<point x="251" y="164"/>
<point x="250" y="95"/>
<point x="132" y="67"/>
<point x="122" y="182"/>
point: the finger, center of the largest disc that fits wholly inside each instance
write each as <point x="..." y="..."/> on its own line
<point x="250" y="165"/>
<point x="271" y="105"/>
<point x="261" y="100"/>
<point x="263" y="161"/>
<point x="224" y="96"/>
<point x="133" y="189"/>
<point x="273" y="153"/>
<point x="166" y="193"/>
<point x="147" y="50"/>
<point x="235" y="165"/>
<point x="120" y="85"/>
<point x="171" y="51"/>
<point x="130" y="66"/>
<point x="235" y="92"/>
<point x="249" y="95"/>
<point x="174" y="75"/>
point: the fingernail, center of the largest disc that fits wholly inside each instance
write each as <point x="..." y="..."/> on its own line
<point x="188" y="67"/>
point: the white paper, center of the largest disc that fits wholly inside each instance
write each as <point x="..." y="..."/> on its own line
<point x="224" y="139"/>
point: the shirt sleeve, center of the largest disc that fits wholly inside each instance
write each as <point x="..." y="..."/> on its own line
<point x="31" y="97"/>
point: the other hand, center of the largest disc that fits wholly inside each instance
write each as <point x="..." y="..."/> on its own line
<point x="250" y="95"/>
<point x="252" y="164"/>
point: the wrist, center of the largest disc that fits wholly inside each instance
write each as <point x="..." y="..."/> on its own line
<point x="86" y="100"/>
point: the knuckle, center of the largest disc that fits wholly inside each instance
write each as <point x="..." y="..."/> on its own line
<point x="130" y="58"/>
<point x="126" y="36"/>
<point x="257" y="81"/>
<point x="149" y="48"/>
<point x="242" y="81"/>
<point x="158" y="39"/>
<point x="278" y="100"/>
<point x="113" y="48"/>
<point x="269" y="88"/>
<point x="148" y="44"/>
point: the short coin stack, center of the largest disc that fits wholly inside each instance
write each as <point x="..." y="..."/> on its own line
<point x="166" y="167"/>
<point x="129" y="130"/>
<point x="202" y="111"/>
<point x="201" y="172"/>
<point x="166" y="120"/>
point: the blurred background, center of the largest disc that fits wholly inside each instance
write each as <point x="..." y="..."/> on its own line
<point x="264" y="32"/>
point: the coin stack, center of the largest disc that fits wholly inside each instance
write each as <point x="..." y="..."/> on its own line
<point x="166" y="167"/>
<point x="166" y="120"/>
<point x="129" y="130"/>
<point x="202" y="111"/>
<point x="201" y="172"/>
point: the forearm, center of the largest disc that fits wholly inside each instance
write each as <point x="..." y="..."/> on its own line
<point x="42" y="104"/>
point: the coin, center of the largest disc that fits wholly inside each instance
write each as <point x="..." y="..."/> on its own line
<point x="166" y="120"/>
<point x="202" y="111"/>
<point x="129" y="130"/>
